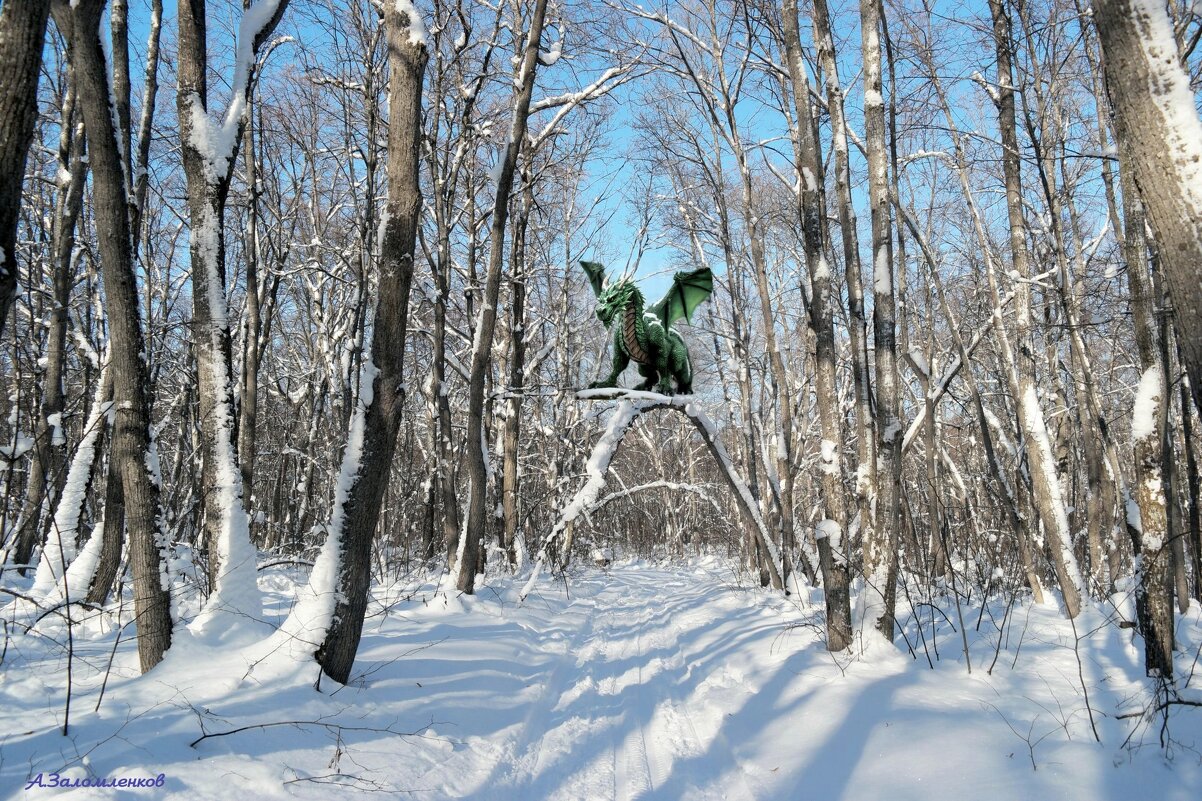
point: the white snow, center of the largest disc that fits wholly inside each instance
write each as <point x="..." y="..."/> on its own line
<point x="920" y="361"/>
<point x="1036" y="430"/>
<point x="598" y="463"/>
<point x="1170" y="90"/>
<point x="650" y="682"/>
<point x="235" y="599"/>
<point x="831" y="531"/>
<point x="822" y="272"/>
<point x="19" y="446"/>
<point x="303" y="631"/>
<point x="548" y="58"/>
<point x="59" y="550"/>
<point x="1146" y="412"/>
<point x="882" y="273"/>
<point x="811" y="183"/>
<point x="215" y="142"/>
<point x="55" y="421"/>
<point x="417" y="28"/>
<point x="830" y="457"/>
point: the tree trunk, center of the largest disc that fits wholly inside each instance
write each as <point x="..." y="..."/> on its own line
<point x="367" y="461"/>
<point x="132" y="447"/>
<point x="1158" y="130"/>
<point x="469" y="548"/>
<point x="865" y="486"/>
<point x="248" y="400"/>
<point x="880" y="549"/>
<point x="48" y="463"/>
<point x="22" y="35"/>
<point x="1045" y="481"/>
<point x="832" y="554"/>
<point x="209" y="151"/>
<point x="510" y="477"/>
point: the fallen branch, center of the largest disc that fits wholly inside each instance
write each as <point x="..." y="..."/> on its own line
<point x="336" y="728"/>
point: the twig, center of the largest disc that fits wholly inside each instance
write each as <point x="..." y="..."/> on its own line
<point x="1081" y="677"/>
<point x="336" y="728"/>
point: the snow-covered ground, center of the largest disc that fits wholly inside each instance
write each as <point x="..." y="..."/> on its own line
<point x="642" y="682"/>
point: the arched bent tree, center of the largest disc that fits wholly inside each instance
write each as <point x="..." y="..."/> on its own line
<point x="632" y="404"/>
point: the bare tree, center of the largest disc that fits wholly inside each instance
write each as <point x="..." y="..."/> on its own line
<point x="876" y="608"/>
<point x="133" y="447"/>
<point x="1157" y="126"/>
<point x="831" y="548"/>
<point x="1049" y="501"/>
<point x="209" y="152"/>
<point x="469" y="547"/>
<point x="367" y="461"/>
<point x="22" y="36"/>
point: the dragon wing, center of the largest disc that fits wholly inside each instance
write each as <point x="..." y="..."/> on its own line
<point x="687" y="292"/>
<point x="596" y="275"/>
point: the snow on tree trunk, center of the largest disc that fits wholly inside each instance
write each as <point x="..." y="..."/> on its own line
<point x="309" y="621"/>
<point x="1045" y="480"/>
<point x="209" y="152"/>
<point x="59" y="550"/>
<point x="367" y="463"/>
<point x="874" y="608"/>
<point x="632" y="404"/>
<point x="832" y="561"/>
<point x="1153" y="557"/>
<point x="132" y="444"/>
<point x="1158" y="130"/>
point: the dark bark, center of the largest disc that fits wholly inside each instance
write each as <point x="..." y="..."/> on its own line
<point x="47" y="467"/>
<point x="382" y="416"/>
<point x="131" y="444"/>
<point x="1160" y="152"/>
<point x="22" y="35"/>
<point x="510" y="479"/>
<point x="112" y="538"/>
<point x="483" y="337"/>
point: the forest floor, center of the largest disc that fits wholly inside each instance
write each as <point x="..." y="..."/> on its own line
<point x="645" y="681"/>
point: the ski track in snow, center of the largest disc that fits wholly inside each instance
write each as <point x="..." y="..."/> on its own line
<point x="645" y="682"/>
<point x="619" y="675"/>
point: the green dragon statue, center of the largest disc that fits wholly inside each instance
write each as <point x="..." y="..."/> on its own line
<point x="645" y="334"/>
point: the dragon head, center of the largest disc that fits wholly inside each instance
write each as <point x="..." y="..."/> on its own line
<point x="612" y="296"/>
<point x="613" y="299"/>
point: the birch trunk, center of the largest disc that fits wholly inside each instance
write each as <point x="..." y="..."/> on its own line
<point x="832" y="553"/>
<point x="875" y="609"/>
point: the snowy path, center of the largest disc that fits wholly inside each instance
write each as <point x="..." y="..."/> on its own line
<point x="653" y="683"/>
<point x="642" y="683"/>
<point x="625" y="677"/>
